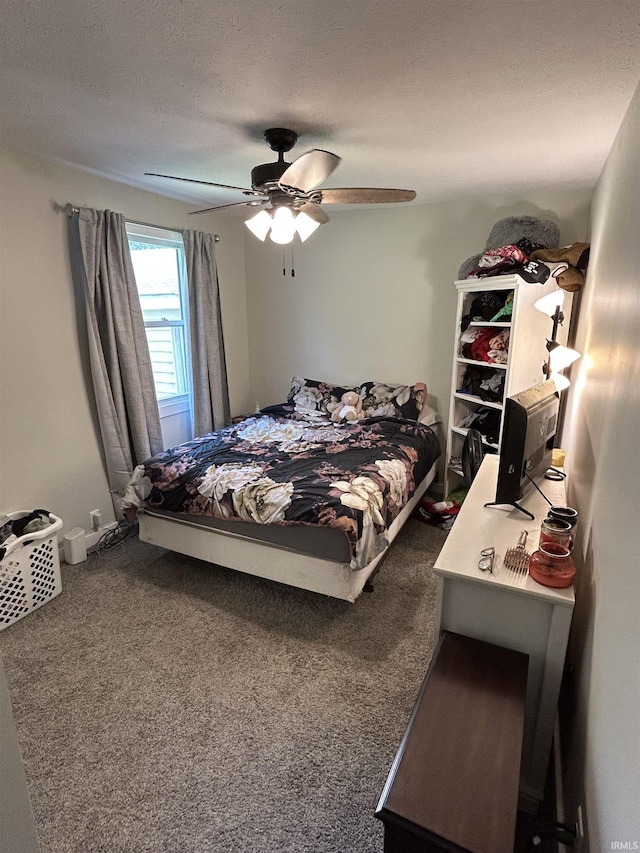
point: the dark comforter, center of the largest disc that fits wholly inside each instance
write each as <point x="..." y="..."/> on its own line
<point x="279" y="468"/>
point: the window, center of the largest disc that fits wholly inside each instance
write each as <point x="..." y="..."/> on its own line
<point x="160" y="272"/>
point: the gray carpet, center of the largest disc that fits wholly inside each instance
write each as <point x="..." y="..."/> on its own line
<point x="163" y="704"/>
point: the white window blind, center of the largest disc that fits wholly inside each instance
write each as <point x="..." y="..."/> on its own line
<point x="159" y="268"/>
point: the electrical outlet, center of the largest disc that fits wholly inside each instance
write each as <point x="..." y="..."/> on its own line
<point x="95" y="517"/>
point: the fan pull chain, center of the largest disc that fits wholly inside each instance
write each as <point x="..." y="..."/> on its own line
<point x="284" y="263"/>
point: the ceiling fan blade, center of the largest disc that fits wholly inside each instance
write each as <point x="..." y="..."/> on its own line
<point x="364" y="195"/>
<point x="315" y="212"/>
<point x="309" y="170"/>
<point x="255" y="204"/>
<point x="206" y="183"/>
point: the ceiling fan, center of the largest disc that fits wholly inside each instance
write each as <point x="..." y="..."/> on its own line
<point x="288" y="194"/>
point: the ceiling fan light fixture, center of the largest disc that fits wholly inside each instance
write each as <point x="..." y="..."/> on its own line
<point x="305" y="225"/>
<point x="259" y="224"/>
<point x="283" y="226"/>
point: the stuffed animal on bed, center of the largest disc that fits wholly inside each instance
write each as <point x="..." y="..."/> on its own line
<point x="349" y="408"/>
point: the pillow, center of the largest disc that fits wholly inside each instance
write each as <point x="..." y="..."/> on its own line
<point x="315" y="399"/>
<point x="399" y="401"/>
<point x="429" y="416"/>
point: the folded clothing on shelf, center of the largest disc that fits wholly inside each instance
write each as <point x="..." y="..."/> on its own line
<point x="490" y="345"/>
<point x="484" y="383"/>
<point x="486" y="421"/>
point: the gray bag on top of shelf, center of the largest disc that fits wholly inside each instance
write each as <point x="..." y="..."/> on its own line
<point x="540" y="233"/>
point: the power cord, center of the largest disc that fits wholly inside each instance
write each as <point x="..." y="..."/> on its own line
<point x="560" y="475"/>
<point x="539" y="489"/>
<point x="115" y="536"/>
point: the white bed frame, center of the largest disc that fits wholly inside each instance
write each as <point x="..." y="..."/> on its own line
<point x="265" y="560"/>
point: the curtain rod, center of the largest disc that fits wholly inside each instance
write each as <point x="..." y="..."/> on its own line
<point x="69" y="209"/>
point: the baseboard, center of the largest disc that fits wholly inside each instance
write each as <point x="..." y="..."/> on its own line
<point x="557" y="766"/>
<point x="579" y="825"/>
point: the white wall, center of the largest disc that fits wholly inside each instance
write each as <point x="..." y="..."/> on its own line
<point x="603" y="443"/>
<point x="49" y="449"/>
<point x="373" y="295"/>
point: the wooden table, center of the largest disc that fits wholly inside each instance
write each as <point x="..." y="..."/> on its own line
<point x="453" y="785"/>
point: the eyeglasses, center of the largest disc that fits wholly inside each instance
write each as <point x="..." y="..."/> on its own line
<point x="485" y="564"/>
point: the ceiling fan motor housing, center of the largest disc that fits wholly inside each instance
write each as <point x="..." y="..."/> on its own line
<point x="268" y="173"/>
<point x="279" y="139"/>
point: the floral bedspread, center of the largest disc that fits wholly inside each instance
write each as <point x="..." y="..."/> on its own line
<point x="282" y="468"/>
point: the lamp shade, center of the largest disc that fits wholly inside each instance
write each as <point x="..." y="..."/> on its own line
<point x="561" y="382"/>
<point x="259" y="224"/>
<point x="283" y="227"/>
<point x="305" y="225"/>
<point x="560" y="357"/>
<point x="548" y="304"/>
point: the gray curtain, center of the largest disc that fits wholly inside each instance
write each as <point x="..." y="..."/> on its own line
<point x="118" y="352"/>
<point x="209" y="370"/>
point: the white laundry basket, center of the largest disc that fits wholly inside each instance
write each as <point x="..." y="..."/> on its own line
<point x="29" y="571"/>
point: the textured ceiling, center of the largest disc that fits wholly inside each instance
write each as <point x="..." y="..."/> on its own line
<point x="446" y="97"/>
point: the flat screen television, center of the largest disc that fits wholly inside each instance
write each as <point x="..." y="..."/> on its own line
<point x="530" y="421"/>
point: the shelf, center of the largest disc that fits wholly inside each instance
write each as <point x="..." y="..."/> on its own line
<point x="527" y="330"/>
<point x="471" y="398"/>
<point x="462" y="360"/>
<point x="463" y="432"/>
<point x="492" y="324"/>
<point x="489" y="282"/>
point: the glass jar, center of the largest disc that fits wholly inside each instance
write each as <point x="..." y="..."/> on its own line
<point x="552" y="530"/>
<point x="552" y="565"/>
<point x="564" y="513"/>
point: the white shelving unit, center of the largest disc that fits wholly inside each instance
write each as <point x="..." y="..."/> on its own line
<point x="529" y="332"/>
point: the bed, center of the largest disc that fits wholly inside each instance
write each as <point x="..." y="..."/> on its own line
<point x="310" y="492"/>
